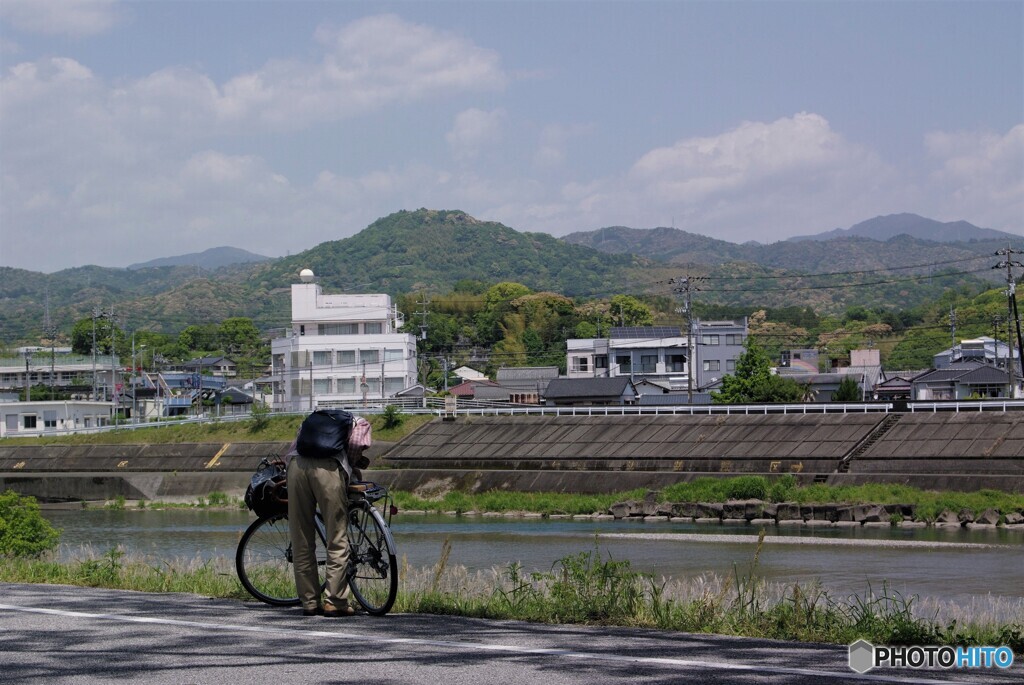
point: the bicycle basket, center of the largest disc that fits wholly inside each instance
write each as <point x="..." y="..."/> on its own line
<point x="267" y="494"/>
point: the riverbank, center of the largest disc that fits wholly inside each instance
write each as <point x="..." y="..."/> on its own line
<point x="588" y="588"/>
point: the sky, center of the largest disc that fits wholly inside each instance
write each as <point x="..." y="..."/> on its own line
<point x="131" y="131"/>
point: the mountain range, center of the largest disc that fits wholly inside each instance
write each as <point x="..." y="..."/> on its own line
<point x="213" y="258"/>
<point x="888" y="261"/>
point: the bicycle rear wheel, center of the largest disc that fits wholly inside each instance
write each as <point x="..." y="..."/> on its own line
<point x="264" y="561"/>
<point x="373" y="562"/>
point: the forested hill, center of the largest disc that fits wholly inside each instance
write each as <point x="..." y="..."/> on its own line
<point x="432" y="250"/>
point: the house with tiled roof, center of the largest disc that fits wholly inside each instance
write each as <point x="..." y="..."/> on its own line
<point x="590" y="391"/>
<point x="964" y="380"/>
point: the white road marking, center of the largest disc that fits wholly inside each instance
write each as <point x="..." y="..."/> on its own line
<point x="509" y="649"/>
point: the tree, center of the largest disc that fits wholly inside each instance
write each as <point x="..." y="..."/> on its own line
<point x="238" y="335"/>
<point x="754" y="381"/>
<point x="629" y="311"/>
<point x="848" y="390"/>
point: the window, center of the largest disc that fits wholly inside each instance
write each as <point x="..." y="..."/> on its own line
<point x="346" y="357"/>
<point x="346" y="386"/>
<point x="338" y="329"/>
<point x="648" y="363"/>
<point x="322" y="386"/>
<point x="373" y="328"/>
<point x="676" y="362"/>
<point x="734" y="339"/>
<point x="625" y="363"/>
<point x="730" y="365"/>
<point x="322" y="357"/>
<point x="300" y="358"/>
<point x="581" y="364"/>
<point x="30" y="421"/>
<point x="709" y="339"/>
<point x="393" y="355"/>
<point x="393" y="385"/>
<point x="49" y="419"/>
<point x="302" y="329"/>
<point x="712" y="365"/>
<point x="601" y="361"/>
<point x="11" y="420"/>
<point x="369" y="356"/>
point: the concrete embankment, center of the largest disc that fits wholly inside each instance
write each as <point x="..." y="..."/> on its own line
<point x="584" y="454"/>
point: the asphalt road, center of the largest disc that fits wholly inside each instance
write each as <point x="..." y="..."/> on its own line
<point x="58" y="634"/>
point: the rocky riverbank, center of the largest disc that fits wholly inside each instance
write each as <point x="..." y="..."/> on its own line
<point x="761" y="513"/>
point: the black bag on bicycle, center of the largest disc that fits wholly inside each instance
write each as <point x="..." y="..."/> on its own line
<point x="324" y="433"/>
<point x="267" y="494"/>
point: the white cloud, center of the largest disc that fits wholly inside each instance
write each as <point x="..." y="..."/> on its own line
<point x="54" y="17"/>
<point x="474" y="129"/>
<point x="980" y="176"/>
<point x="554" y="140"/>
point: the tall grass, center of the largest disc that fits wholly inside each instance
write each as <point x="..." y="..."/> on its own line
<point x="592" y="588"/>
<point x="505" y="501"/>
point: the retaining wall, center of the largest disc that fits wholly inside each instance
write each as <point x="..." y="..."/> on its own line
<point x="575" y="454"/>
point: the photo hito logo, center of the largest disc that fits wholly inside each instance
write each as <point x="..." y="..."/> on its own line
<point x="865" y="656"/>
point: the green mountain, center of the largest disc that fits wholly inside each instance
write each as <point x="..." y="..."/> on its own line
<point x="433" y="250"/>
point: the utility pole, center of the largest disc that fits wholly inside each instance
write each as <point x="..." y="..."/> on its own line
<point x="952" y="325"/>
<point x="51" y="333"/>
<point x="686" y="287"/>
<point x="1011" y="287"/>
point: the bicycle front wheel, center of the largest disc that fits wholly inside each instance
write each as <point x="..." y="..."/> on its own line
<point x="264" y="561"/>
<point x="373" y="562"/>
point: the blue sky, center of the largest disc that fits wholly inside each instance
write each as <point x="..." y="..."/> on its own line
<point x="136" y="130"/>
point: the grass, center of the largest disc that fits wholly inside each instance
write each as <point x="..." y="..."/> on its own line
<point x="928" y="503"/>
<point x="548" y="503"/>
<point x="590" y="587"/>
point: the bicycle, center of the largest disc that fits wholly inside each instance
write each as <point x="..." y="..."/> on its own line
<point x="263" y="559"/>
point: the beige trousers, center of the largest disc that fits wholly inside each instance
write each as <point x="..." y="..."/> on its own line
<point x="313" y="483"/>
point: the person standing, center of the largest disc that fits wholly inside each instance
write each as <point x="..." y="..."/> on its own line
<point x="318" y="476"/>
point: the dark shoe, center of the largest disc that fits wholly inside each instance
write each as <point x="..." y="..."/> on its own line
<point x="331" y="611"/>
<point x="313" y="612"/>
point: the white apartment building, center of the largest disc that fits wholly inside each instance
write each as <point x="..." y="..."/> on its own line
<point x="341" y="350"/>
<point x="660" y="353"/>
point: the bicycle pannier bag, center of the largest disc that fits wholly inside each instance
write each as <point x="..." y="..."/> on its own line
<point x="262" y="497"/>
<point x="324" y="433"/>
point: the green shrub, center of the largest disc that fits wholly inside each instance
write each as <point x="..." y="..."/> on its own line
<point x="23" y="530"/>
<point x="782" y="489"/>
<point x="747" y="487"/>
<point x="391" y="417"/>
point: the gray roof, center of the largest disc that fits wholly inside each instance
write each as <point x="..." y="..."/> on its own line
<point x="560" y="388"/>
<point x="641" y="332"/>
<point x="522" y="373"/>
<point x="950" y="373"/>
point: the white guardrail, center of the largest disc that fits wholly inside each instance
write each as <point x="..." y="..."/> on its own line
<point x="437" y="406"/>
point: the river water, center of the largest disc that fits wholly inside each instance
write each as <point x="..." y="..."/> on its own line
<point x="958" y="566"/>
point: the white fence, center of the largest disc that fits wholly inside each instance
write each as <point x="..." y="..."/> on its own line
<point x="436" y="406"/>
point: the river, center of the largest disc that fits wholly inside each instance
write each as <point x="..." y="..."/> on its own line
<point x="958" y="565"/>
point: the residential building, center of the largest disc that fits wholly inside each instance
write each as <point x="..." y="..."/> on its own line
<point x="660" y="354"/>
<point x="341" y="350"/>
<point x="58" y="367"/>
<point x="524" y="384"/>
<point x="46" y="417"/>
<point x="981" y="349"/>
<point x="617" y="391"/>
<point x="214" y="366"/>
<point x="964" y="380"/>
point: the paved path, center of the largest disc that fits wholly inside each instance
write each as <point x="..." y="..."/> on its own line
<point x="59" y="634"/>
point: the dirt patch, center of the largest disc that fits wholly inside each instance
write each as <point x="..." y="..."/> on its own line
<point x="435" y="488"/>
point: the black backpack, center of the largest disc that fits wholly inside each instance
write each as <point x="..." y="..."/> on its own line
<point x="324" y="433"/>
<point x="267" y="494"/>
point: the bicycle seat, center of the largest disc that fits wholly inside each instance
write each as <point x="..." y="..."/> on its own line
<point x="360" y="486"/>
